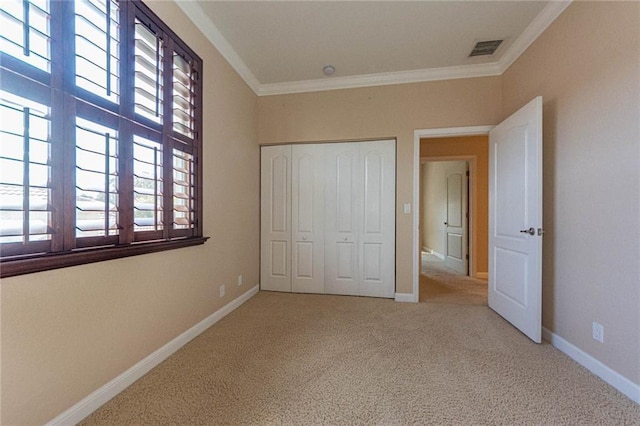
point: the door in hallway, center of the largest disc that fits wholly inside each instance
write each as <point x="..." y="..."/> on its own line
<point x="457" y="218"/>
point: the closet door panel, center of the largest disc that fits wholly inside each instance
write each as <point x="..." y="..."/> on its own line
<point x="342" y="198"/>
<point x="307" y="218"/>
<point x="275" y="218"/>
<point x="377" y="239"/>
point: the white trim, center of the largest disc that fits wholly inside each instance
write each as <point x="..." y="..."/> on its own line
<point x="551" y="11"/>
<point x="546" y="16"/>
<point x="381" y="79"/>
<point x="99" y="397"/>
<point x="438" y="255"/>
<point x="417" y="135"/>
<point x="615" y="379"/>
<point x="194" y="12"/>
<point x="482" y="275"/>
<point x="404" y="297"/>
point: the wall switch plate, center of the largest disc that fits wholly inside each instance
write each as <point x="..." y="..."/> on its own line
<point x="222" y="291"/>
<point x="407" y="208"/>
<point x="239" y="280"/>
<point x="598" y="332"/>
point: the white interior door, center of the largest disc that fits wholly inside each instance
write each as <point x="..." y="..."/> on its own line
<point x="275" y="219"/>
<point x="456" y="222"/>
<point x="342" y="218"/>
<point x="377" y="237"/>
<point x="515" y="219"/>
<point x="307" y="212"/>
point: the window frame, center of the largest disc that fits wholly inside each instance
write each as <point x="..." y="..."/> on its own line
<point x="66" y="101"/>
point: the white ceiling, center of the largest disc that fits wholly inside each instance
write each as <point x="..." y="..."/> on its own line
<point x="282" y="46"/>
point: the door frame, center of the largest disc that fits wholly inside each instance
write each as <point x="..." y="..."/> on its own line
<point x="417" y="135"/>
<point x="471" y="161"/>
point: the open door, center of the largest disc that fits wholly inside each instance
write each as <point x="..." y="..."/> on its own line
<point x="515" y="219"/>
<point x="456" y="253"/>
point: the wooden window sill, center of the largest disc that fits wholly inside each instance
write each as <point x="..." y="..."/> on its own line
<point x="46" y="262"/>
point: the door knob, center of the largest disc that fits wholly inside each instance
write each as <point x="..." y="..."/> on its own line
<point x="346" y="238"/>
<point x="529" y="231"/>
<point x="304" y="238"/>
<point x="445" y="223"/>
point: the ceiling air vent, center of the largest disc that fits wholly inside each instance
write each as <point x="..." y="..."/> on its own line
<point x="483" y="48"/>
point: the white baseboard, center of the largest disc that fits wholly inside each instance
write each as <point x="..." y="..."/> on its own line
<point x="99" y="397"/>
<point x="427" y="250"/>
<point x="482" y="275"/>
<point x="438" y="255"/>
<point x="405" y="297"/>
<point x="615" y="379"/>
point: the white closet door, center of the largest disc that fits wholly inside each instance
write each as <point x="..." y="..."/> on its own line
<point x="343" y="200"/>
<point x="275" y="219"/>
<point x="307" y="212"/>
<point x="377" y="236"/>
<point x="360" y="218"/>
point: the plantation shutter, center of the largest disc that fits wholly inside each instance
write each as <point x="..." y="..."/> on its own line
<point x="148" y="188"/>
<point x="100" y="127"/>
<point x="25" y="170"/>
<point x="97" y="53"/>
<point x="148" y="72"/>
<point x="183" y="96"/>
<point x="96" y="180"/>
<point x="25" y="33"/>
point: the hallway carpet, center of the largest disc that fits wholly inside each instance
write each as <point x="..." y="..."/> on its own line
<point x="295" y="359"/>
<point x="439" y="284"/>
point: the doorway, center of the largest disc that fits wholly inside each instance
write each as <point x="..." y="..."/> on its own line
<point x="444" y="214"/>
<point x="469" y="145"/>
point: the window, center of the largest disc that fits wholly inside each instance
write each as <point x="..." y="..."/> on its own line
<point x="100" y="134"/>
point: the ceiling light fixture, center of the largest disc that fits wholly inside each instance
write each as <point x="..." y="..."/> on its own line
<point x="329" y="70"/>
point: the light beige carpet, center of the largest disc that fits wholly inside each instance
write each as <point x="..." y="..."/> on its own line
<point x="294" y="359"/>
<point x="438" y="284"/>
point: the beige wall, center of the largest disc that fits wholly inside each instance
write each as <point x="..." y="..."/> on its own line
<point x="476" y="150"/>
<point x="586" y="65"/>
<point x="433" y="205"/>
<point x="67" y="332"/>
<point x="376" y="112"/>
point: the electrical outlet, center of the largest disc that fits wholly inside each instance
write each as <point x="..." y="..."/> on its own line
<point x="239" y="280"/>
<point x="222" y="291"/>
<point x="598" y="332"/>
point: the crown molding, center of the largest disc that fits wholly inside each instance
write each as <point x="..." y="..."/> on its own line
<point x="551" y="11"/>
<point x="382" y="79"/>
<point x="194" y="12"/>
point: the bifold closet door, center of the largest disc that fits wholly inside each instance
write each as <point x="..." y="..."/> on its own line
<point x="343" y="200"/>
<point x="328" y="218"/>
<point x="307" y="212"/>
<point x="275" y="218"/>
<point x="360" y="218"/>
<point x="378" y="236"/>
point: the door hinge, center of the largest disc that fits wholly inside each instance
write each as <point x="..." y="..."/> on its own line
<point x="467" y="256"/>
